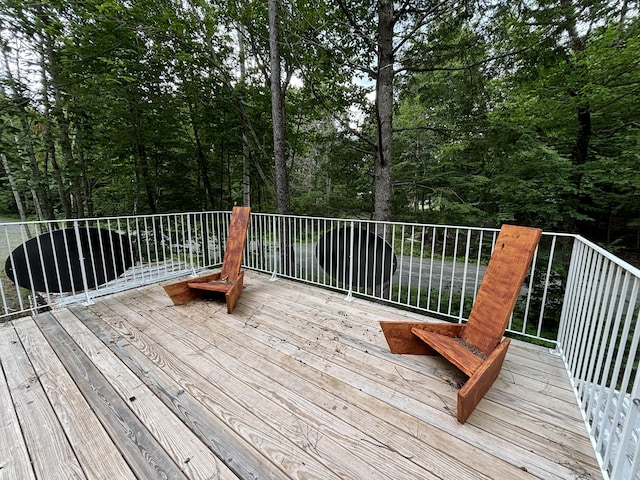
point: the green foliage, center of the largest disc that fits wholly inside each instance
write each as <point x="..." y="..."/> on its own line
<point x="505" y="112"/>
<point x="543" y="133"/>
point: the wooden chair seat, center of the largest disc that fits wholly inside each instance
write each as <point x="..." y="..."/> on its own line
<point x="477" y="348"/>
<point x="452" y="348"/>
<point x="213" y="286"/>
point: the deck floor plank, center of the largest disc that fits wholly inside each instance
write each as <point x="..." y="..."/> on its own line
<point x="554" y="384"/>
<point x="513" y="438"/>
<point x="297" y="383"/>
<point x="343" y="401"/>
<point x="49" y="449"/>
<point x="142" y="452"/>
<point x="14" y="457"/>
<point x="511" y="442"/>
<point x="293" y="381"/>
<point x="193" y="457"/>
<point x="546" y="406"/>
<point x="96" y="452"/>
<point x="227" y="443"/>
<point x="234" y="405"/>
<point x="296" y="417"/>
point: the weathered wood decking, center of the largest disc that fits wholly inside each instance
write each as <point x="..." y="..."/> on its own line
<point x="296" y="383"/>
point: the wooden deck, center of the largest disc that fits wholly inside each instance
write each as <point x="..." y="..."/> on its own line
<point x="296" y="383"/>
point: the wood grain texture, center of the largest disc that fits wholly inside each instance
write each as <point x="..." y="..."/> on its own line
<point x="468" y="346"/>
<point x="233" y="294"/>
<point x="193" y="457"/>
<point x="312" y="428"/>
<point x="510" y="419"/>
<point x="96" y="452"/>
<point x="450" y="348"/>
<point x="236" y="239"/>
<point x="402" y="340"/>
<point x="480" y="381"/>
<point x="180" y="292"/>
<point x="223" y="392"/>
<point x="500" y="287"/>
<point x="354" y="321"/>
<point x="299" y="383"/>
<point x="142" y="452"/>
<point x="14" y="457"/>
<point x="226" y="443"/>
<point x="230" y="279"/>
<point x="47" y="444"/>
<point x="393" y="430"/>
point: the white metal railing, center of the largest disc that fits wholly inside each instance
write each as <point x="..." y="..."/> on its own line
<point x="75" y="260"/>
<point x="431" y="268"/>
<point x="577" y="297"/>
<point x="598" y="340"/>
<point x="436" y="269"/>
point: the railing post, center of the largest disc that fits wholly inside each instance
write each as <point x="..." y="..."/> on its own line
<point x="567" y="301"/>
<point x="189" y="242"/>
<point x="625" y="457"/>
<point x="349" y="297"/>
<point x="464" y="276"/>
<point x="276" y="240"/>
<point x="83" y="271"/>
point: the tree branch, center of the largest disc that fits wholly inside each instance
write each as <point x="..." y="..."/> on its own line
<point x="371" y="43"/>
<point x="463" y="67"/>
<point x="441" y="131"/>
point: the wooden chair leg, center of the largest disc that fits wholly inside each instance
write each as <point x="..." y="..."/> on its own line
<point x="472" y="392"/>
<point x="231" y="297"/>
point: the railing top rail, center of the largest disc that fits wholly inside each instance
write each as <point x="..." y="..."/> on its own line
<point x="115" y="217"/>
<point x="417" y="224"/>
<point x="308" y="217"/>
<point x="609" y="256"/>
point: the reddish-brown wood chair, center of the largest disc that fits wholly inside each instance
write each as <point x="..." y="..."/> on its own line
<point x="230" y="279"/>
<point x="477" y="348"/>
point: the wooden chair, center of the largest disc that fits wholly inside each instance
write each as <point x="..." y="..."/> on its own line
<point x="477" y="348"/>
<point x="230" y="279"/>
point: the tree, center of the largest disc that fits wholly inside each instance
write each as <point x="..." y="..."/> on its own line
<point x="277" y="112"/>
<point x="575" y="82"/>
<point x="363" y="41"/>
<point x="25" y="142"/>
<point x="416" y="110"/>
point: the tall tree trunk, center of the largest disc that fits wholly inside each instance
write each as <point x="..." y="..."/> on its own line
<point x="142" y="162"/>
<point x="277" y="113"/>
<point x="49" y="138"/>
<point x="246" y="160"/>
<point x="578" y="44"/>
<point x="87" y="204"/>
<point x="16" y="193"/>
<point x="50" y="69"/>
<point x="253" y="138"/>
<point x="283" y="200"/>
<point x="384" y="113"/>
<point x="144" y="176"/>
<point x="580" y="152"/>
<point x="37" y="183"/>
<point x="580" y="149"/>
<point x="202" y="159"/>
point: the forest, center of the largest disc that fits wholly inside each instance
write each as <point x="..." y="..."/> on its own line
<point x="471" y="112"/>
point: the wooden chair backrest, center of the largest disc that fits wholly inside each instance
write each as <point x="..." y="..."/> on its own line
<point x="500" y="287"/>
<point x="232" y="261"/>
